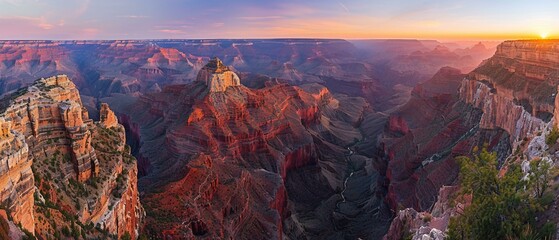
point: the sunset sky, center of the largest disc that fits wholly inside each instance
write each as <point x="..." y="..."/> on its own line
<point x="348" y="19"/>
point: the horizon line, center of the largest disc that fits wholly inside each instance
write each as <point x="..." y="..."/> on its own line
<point x="282" y="38"/>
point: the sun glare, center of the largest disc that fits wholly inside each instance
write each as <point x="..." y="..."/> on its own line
<point x="544" y="35"/>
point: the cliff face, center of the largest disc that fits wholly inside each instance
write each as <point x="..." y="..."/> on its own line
<point x="536" y="59"/>
<point x="424" y="136"/>
<point x="49" y="142"/>
<point x="510" y="99"/>
<point x="500" y="110"/>
<point x="16" y="177"/>
<point x="516" y="87"/>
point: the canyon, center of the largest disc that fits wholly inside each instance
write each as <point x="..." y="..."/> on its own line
<point x="235" y="162"/>
<point x="132" y="67"/>
<point x="296" y="139"/>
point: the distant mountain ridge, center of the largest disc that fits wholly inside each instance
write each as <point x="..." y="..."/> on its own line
<point x="100" y="68"/>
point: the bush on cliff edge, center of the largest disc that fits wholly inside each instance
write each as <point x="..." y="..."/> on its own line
<point x="502" y="207"/>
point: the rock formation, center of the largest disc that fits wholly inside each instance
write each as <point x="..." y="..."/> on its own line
<point x="248" y="163"/>
<point x="131" y="67"/>
<point x="107" y="116"/>
<point x="16" y="177"/>
<point x="516" y="87"/>
<point x="506" y="102"/>
<point x="427" y="225"/>
<point x="47" y="142"/>
<point x="424" y="136"/>
<point x="217" y="76"/>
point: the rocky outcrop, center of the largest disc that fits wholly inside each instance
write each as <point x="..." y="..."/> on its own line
<point x="217" y="76"/>
<point x="107" y="116"/>
<point x="73" y="166"/>
<point x="409" y="223"/>
<point x="49" y="110"/>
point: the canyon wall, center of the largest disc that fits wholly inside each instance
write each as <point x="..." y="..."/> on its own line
<point x="58" y="163"/>
<point x="16" y="177"/>
<point x="424" y="136"/>
<point x="515" y="96"/>
<point x="516" y="88"/>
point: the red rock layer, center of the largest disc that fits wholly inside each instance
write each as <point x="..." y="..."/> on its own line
<point x="46" y="123"/>
<point x="222" y="163"/>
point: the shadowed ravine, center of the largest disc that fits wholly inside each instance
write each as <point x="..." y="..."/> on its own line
<point x="361" y="212"/>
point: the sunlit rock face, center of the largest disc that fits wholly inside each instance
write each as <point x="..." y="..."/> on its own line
<point x="516" y="87"/>
<point x="51" y="108"/>
<point x="217" y="76"/>
<point x="107" y="116"/>
<point x="16" y="177"/>
<point x="58" y="167"/>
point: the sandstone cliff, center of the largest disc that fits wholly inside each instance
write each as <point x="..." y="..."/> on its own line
<point x="510" y="99"/>
<point x="516" y="87"/>
<point x="217" y="76"/>
<point x="16" y="177"/>
<point x="60" y="164"/>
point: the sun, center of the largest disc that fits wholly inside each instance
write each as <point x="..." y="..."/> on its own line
<point x="544" y="35"/>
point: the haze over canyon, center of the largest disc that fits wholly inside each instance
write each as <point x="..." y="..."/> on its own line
<point x="266" y="139"/>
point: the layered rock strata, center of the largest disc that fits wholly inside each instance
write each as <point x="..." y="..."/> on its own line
<point x="52" y="171"/>
<point x="512" y="97"/>
<point x="267" y="163"/>
<point x="420" y="147"/>
<point x="217" y="76"/>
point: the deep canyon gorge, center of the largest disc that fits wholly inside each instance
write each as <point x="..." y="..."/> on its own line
<point x="259" y="139"/>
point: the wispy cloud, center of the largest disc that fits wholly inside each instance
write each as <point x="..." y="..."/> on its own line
<point x="133" y="16"/>
<point x="344" y="7"/>
<point x="82" y="8"/>
<point x="172" y="31"/>
<point x="259" y="18"/>
<point x="15" y="2"/>
<point x="39" y="22"/>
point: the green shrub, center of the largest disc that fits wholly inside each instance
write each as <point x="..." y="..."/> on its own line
<point x="502" y="207"/>
<point x="126" y="236"/>
<point x="552" y="136"/>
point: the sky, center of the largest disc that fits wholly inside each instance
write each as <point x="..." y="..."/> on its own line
<point x="346" y="19"/>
